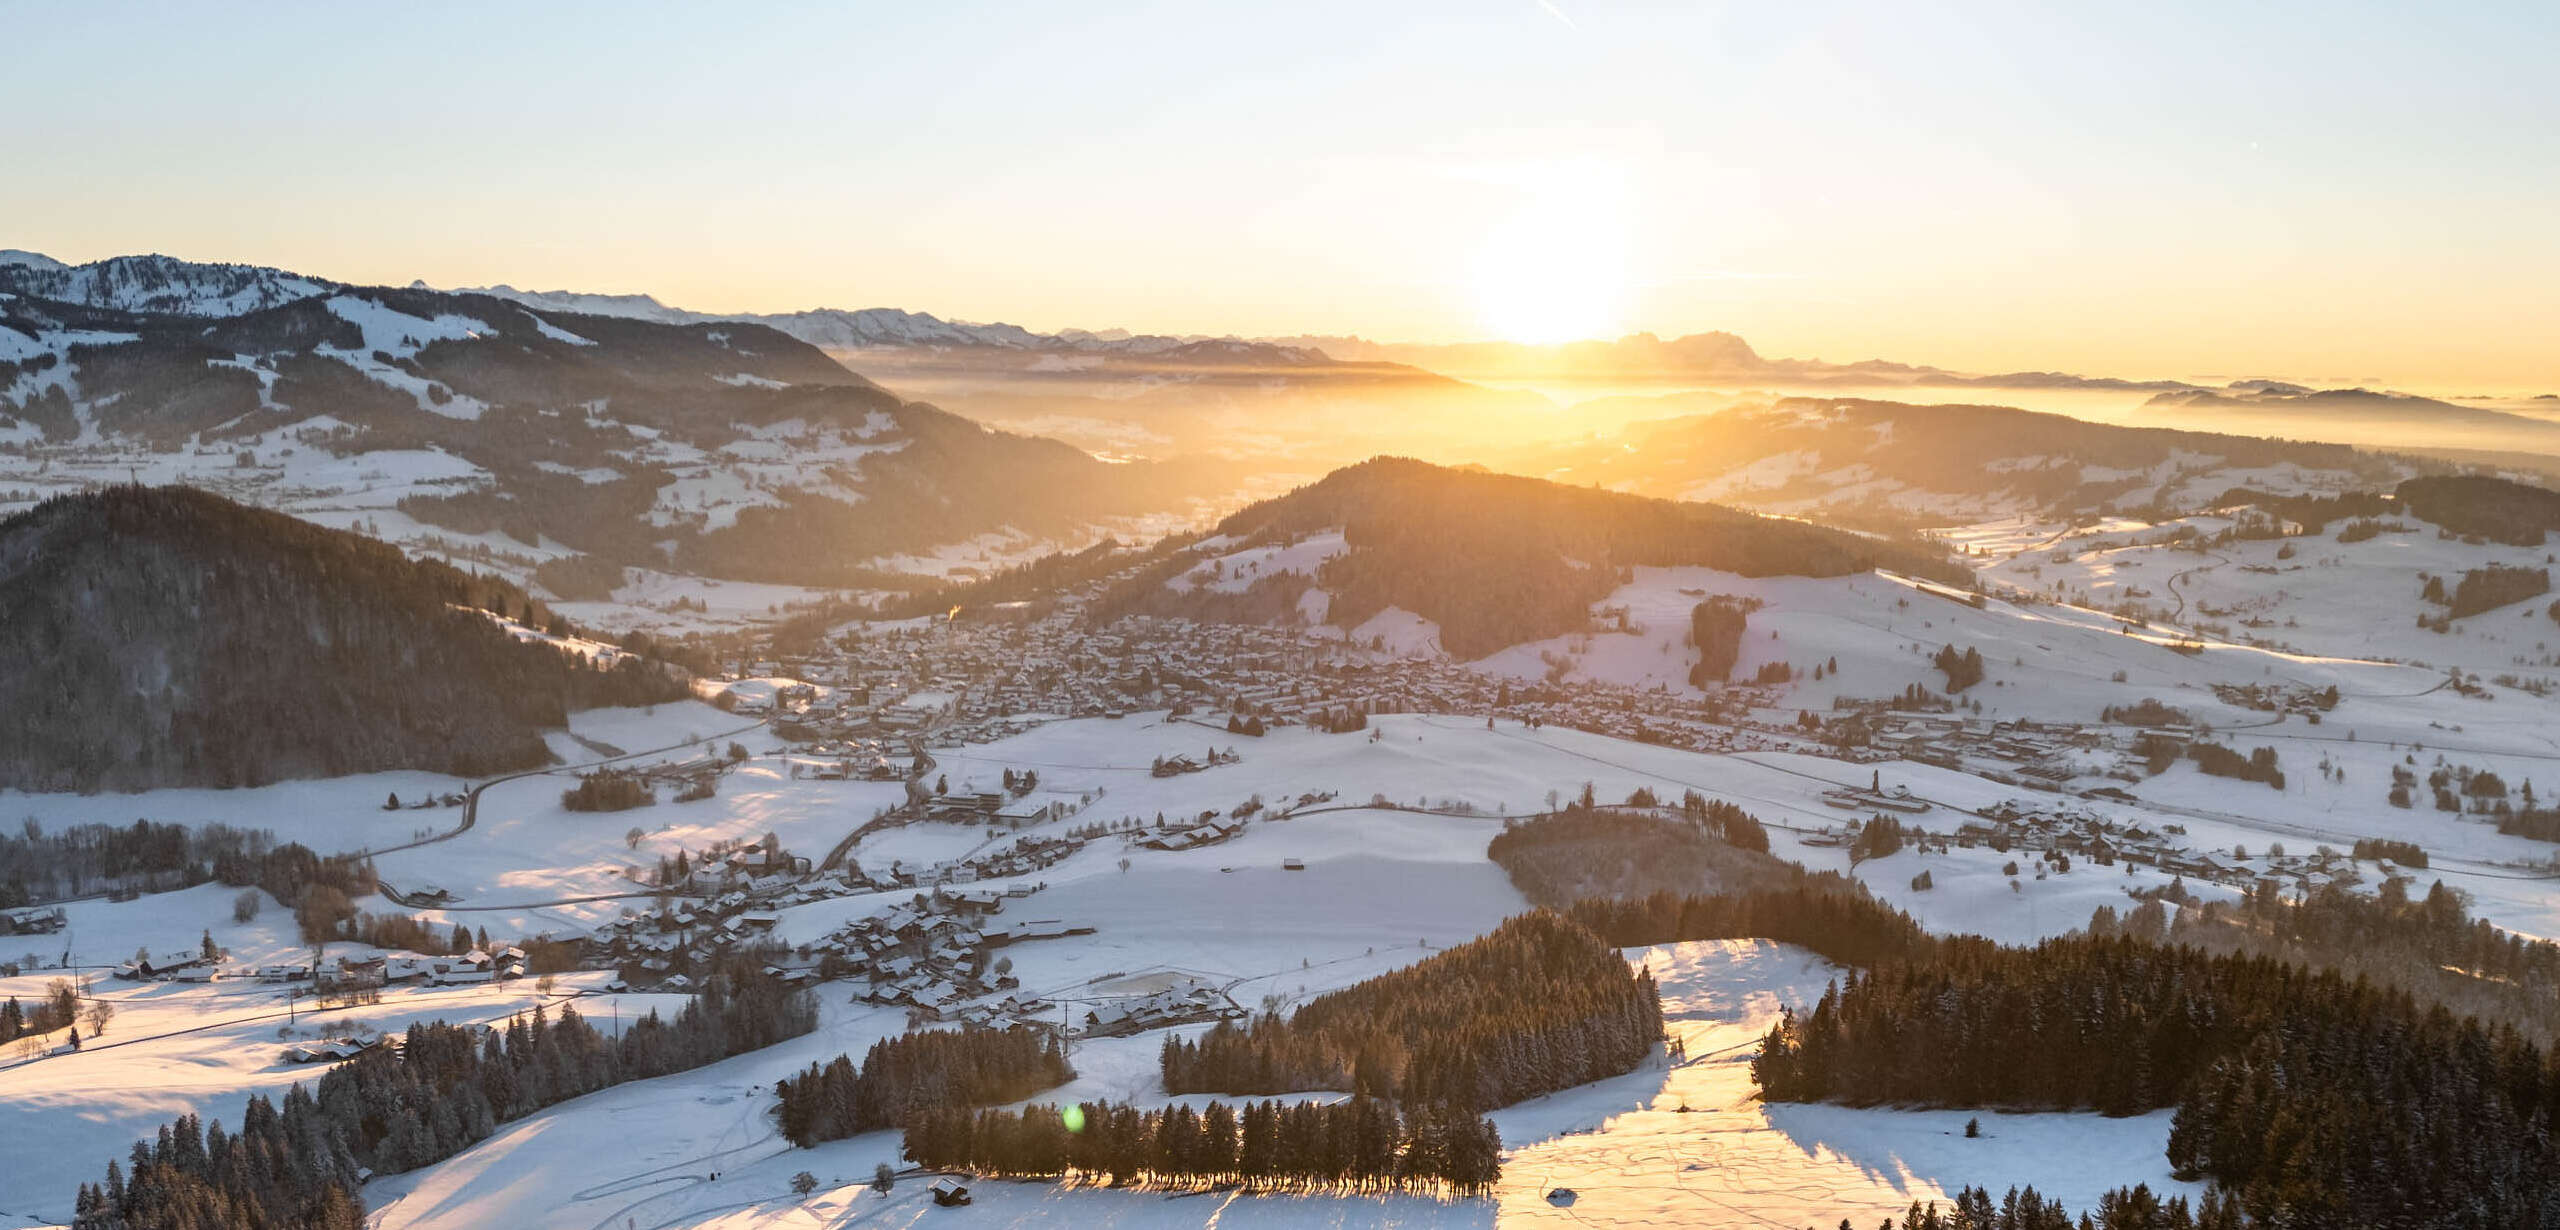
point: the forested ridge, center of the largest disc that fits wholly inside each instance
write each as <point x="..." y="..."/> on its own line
<point x="1535" y="1005"/>
<point x="2311" y="1099"/>
<point x="166" y="636"/>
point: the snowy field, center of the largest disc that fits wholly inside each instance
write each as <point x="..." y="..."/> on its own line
<point x="1381" y="887"/>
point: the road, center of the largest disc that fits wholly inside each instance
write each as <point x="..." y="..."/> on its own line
<point x="471" y="816"/>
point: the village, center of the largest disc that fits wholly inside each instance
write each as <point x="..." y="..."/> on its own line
<point x="874" y="704"/>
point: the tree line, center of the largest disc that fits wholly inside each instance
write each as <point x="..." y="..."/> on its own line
<point x="2135" y="1208"/>
<point x="900" y="1076"/>
<point x="397" y="1107"/>
<point x="148" y="856"/>
<point x="1831" y="916"/>
<point x="2429" y="946"/>
<point x="56" y="1009"/>
<point x="1535" y="1005"/>
<point x="1361" y="1145"/>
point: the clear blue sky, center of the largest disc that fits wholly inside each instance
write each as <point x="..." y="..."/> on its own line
<point x="2363" y="191"/>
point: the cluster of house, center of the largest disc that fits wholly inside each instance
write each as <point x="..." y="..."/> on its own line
<point x="398" y="968"/>
<point x="936" y="954"/>
<point x="953" y="682"/>
<point x="1207" y="829"/>
<point x="2021" y="751"/>
<point x="380" y="969"/>
<point x="938" y="937"/>
<point x="1184" y="1003"/>
<point x="2078" y="832"/>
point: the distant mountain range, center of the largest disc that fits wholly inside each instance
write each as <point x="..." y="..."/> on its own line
<point x="1887" y="465"/>
<point x="1716" y="356"/>
<point x="868" y="328"/>
<point x="2362" y="416"/>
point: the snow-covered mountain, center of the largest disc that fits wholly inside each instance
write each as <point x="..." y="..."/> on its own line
<point x="159" y="284"/>
<point x="717" y="449"/>
<point x="190" y="288"/>
<point x="843" y="329"/>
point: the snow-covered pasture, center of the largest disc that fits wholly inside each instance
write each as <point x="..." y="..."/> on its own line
<point x="173" y="1049"/>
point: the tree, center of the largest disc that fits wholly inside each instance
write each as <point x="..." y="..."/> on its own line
<point x="323" y="912"/>
<point x="803" y="1183"/>
<point x="883" y="1178"/>
<point x="100" y="1012"/>
<point x="631" y="840"/>
<point x="245" y="907"/>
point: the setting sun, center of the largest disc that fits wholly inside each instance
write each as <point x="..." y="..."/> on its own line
<point x="1554" y="270"/>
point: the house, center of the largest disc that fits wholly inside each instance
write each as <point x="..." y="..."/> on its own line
<point x="950" y="1193"/>
<point x="330" y="1050"/>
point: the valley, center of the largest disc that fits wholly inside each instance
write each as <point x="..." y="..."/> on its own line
<point x="492" y="658"/>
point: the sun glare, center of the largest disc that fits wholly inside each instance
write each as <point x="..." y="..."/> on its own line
<point x="1554" y="271"/>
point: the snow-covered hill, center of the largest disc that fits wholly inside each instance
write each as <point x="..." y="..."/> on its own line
<point x="513" y="437"/>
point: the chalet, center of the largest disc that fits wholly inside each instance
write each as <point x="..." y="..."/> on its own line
<point x="1037" y="929"/>
<point x="332" y="1050"/>
<point x="166" y="965"/>
<point x="32" y="920"/>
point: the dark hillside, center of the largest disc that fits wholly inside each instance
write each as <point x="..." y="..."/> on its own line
<point x="1496" y="559"/>
<point x="165" y="636"/>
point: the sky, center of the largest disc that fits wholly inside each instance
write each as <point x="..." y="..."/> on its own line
<point x="2343" y="191"/>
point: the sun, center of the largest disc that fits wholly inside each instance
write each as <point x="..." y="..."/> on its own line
<point x="1554" y="270"/>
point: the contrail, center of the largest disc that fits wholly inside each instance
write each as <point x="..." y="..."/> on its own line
<point x="1557" y="13"/>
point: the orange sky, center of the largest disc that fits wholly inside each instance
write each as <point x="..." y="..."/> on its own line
<point x="2177" y="191"/>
